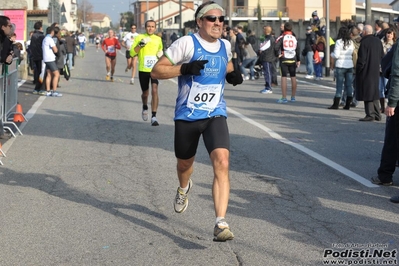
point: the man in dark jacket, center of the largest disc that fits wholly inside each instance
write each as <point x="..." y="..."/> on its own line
<point x="387" y="165"/>
<point x="6" y="55"/>
<point x="267" y="57"/>
<point x="389" y="153"/>
<point x="240" y="40"/>
<point x="70" y="49"/>
<point x="309" y="42"/>
<point x="37" y="54"/>
<point x="367" y="74"/>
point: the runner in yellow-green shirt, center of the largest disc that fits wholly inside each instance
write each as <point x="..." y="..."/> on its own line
<point x="148" y="47"/>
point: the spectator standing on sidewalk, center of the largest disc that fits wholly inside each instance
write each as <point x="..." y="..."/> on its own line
<point x="309" y="42"/>
<point x="239" y="42"/>
<point x="356" y="38"/>
<point x="49" y="57"/>
<point x="319" y="46"/>
<point x="70" y="43"/>
<point x="367" y="74"/>
<point x="387" y="43"/>
<point x="342" y="57"/>
<point x="288" y="49"/>
<point x="267" y="58"/>
<point x="6" y="55"/>
<point x="36" y="51"/>
<point x="389" y="153"/>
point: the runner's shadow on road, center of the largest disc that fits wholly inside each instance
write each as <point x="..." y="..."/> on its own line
<point x="56" y="187"/>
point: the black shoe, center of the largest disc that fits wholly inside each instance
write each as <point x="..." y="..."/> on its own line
<point x="367" y="118"/>
<point x="395" y="199"/>
<point x="377" y="181"/>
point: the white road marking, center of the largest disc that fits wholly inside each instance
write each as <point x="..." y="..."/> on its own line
<point x="305" y="150"/>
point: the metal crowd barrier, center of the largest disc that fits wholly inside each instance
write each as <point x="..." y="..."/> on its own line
<point x="9" y="97"/>
<point x="2" y="101"/>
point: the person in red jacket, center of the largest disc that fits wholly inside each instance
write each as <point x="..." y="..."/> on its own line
<point x="109" y="46"/>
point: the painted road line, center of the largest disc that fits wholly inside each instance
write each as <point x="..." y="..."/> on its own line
<point x="305" y="150"/>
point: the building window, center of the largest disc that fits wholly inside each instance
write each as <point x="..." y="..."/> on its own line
<point x="240" y="2"/>
<point x="169" y="22"/>
<point x="177" y="19"/>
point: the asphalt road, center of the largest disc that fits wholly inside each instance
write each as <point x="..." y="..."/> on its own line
<point x="90" y="183"/>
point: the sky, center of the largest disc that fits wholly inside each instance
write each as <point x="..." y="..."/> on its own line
<point x="112" y="8"/>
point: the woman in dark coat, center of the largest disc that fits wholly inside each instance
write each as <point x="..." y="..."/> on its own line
<point x="367" y="74"/>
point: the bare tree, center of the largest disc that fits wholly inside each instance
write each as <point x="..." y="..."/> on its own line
<point x="85" y="12"/>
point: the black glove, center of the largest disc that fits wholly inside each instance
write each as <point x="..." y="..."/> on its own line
<point x="193" y="68"/>
<point x="234" y="77"/>
<point x="142" y="43"/>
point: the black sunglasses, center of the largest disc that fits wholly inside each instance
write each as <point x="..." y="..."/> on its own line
<point x="213" y="18"/>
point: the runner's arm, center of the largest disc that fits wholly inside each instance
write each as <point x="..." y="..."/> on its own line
<point x="123" y="44"/>
<point x="230" y="67"/>
<point x="164" y="69"/>
<point x="104" y="46"/>
<point x="117" y="44"/>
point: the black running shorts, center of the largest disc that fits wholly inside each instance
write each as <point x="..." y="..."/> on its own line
<point x="214" y="131"/>
<point x="288" y="68"/>
<point x="144" y="78"/>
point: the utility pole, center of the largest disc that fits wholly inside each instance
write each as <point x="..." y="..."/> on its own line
<point x="84" y="14"/>
<point x="327" y="55"/>
<point x="181" y="19"/>
<point x="52" y="11"/>
<point x="146" y="13"/>
<point x="230" y="6"/>
<point x="159" y="15"/>
<point x="368" y="12"/>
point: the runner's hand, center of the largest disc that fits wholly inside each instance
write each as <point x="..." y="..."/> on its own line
<point x="193" y="68"/>
<point x="159" y="54"/>
<point x="144" y="41"/>
<point x="234" y="77"/>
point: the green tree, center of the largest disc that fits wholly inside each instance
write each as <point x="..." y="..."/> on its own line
<point x="126" y="20"/>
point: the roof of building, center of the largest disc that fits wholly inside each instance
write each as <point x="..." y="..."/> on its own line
<point x="37" y="12"/>
<point x="98" y="17"/>
<point x="377" y="5"/>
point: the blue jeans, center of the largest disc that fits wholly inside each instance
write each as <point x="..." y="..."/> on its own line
<point x="309" y="63"/>
<point x="70" y="60"/>
<point x="318" y="69"/>
<point x="382" y="84"/>
<point x="250" y="63"/>
<point x="344" y="77"/>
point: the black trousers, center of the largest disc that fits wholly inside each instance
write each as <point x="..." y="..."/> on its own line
<point x="36" y="73"/>
<point x="389" y="153"/>
<point x="372" y="108"/>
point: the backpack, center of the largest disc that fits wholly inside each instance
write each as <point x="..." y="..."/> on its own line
<point x="66" y="72"/>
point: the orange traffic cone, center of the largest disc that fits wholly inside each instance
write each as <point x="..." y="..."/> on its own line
<point x="18" y="116"/>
